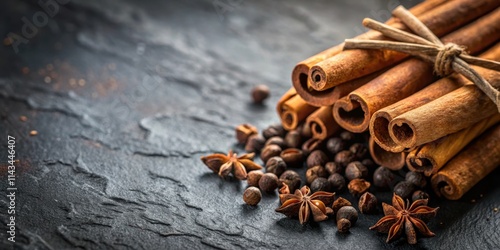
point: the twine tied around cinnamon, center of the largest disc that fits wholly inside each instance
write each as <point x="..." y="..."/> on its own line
<point x="447" y="58"/>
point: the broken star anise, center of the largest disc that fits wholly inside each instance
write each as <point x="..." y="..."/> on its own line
<point x="302" y="204"/>
<point x="231" y="163"/>
<point x="401" y="217"/>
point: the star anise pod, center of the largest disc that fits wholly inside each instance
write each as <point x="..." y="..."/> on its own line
<point x="401" y="217"/>
<point x="231" y="163"/>
<point x="302" y="204"/>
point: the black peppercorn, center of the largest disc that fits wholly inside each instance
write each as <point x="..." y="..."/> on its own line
<point x="293" y="157"/>
<point x="347" y="136"/>
<point x="404" y="189"/>
<point x="337" y="182"/>
<point x="273" y="130"/>
<point x="293" y="139"/>
<point x="383" y="178"/>
<point x="260" y="93"/>
<point x="292" y="179"/>
<point x="339" y="203"/>
<point x="417" y="179"/>
<point x="356" y="170"/>
<point x="368" y="163"/>
<point x="275" y="165"/>
<point x="344" y="157"/>
<point x="252" y="196"/>
<point x="344" y="215"/>
<point x="315" y="172"/>
<point x="270" y="151"/>
<point x="268" y="182"/>
<point x="335" y="145"/>
<point x="358" y="187"/>
<point x="419" y="195"/>
<point x="359" y="150"/>
<point x="367" y="203"/>
<point x="311" y="145"/>
<point x="316" y="158"/>
<point x="255" y="143"/>
<point x="320" y="184"/>
<point x="244" y="131"/>
<point x="332" y="168"/>
<point x="343" y="225"/>
<point x="276" y="140"/>
<point x="253" y="178"/>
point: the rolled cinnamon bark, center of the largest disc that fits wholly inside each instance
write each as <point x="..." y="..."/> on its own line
<point x="352" y="64"/>
<point x="292" y="109"/>
<point x="448" y="114"/>
<point x="390" y="160"/>
<point x="328" y="97"/>
<point x="322" y="123"/>
<point x="431" y="157"/>
<point x="379" y="123"/>
<point x="470" y="166"/>
<point x="355" y="110"/>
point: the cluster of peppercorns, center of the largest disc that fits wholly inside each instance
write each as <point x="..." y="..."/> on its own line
<point x="333" y="165"/>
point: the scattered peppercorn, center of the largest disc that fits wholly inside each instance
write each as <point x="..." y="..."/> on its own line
<point x="333" y="168"/>
<point x="359" y="150"/>
<point x="270" y="151"/>
<point x="383" y="178"/>
<point x="344" y="215"/>
<point x="315" y="172"/>
<point x="255" y="143"/>
<point x="320" y="184"/>
<point x="276" y="140"/>
<point x="344" y="157"/>
<point x="260" y="93"/>
<point x="268" y="182"/>
<point x="339" y="203"/>
<point x="368" y="163"/>
<point x="367" y="203"/>
<point x="253" y="178"/>
<point x="417" y="179"/>
<point x="305" y="131"/>
<point x="335" y="145"/>
<point x="356" y="170"/>
<point x="347" y="136"/>
<point x="292" y="179"/>
<point x="316" y="158"/>
<point x="275" y="165"/>
<point x="244" y="131"/>
<point x="273" y="130"/>
<point x="404" y="189"/>
<point x="337" y="182"/>
<point x="419" y="195"/>
<point x="358" y="187"/>
<point x="252" y="196"/>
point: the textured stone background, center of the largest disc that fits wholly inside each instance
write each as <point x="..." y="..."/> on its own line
<point x="116" y="162"/>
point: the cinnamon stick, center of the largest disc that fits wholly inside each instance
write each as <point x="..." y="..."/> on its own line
<point x="322" y="123"/>
<point x="355" y="111"/>
<point x="292" y="109"/>
<point x="379" y="123"/>
<point x="393" y="161"/>
<point x="352" y="64"/>
<point x="328" y="97"/>
<point x="448" y="114"/>
<point x="431" y="157"/>
<point x="470" y="166"/>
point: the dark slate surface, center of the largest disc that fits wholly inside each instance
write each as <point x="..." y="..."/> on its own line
<point x="116" y="162"/>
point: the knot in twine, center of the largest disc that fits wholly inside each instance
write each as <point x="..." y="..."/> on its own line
<point x="447" y="58"/>
<point x="443" y="65"/>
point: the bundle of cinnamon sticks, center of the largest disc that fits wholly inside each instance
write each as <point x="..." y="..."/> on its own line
<point x="446" y="128"/>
